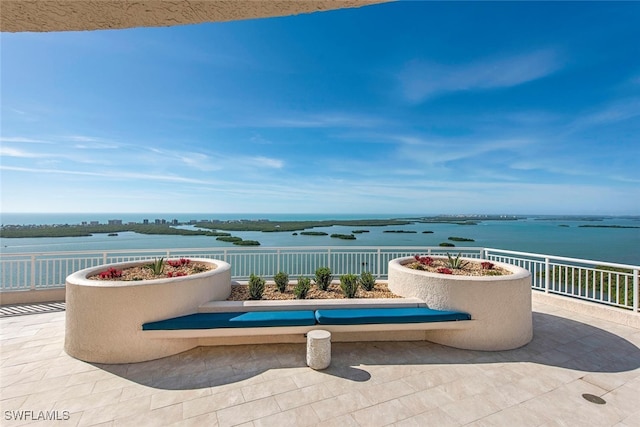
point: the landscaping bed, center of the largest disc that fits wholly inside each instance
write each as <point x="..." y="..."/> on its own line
<point x="157" y="269"/>
<point x="271" y="292"/>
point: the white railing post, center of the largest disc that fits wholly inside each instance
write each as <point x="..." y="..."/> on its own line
<point x="546" y="275"/>
<point x="104" y="257"/>
<point x="379" y="263"/>
<point x="329" y="258"/>
<point x="277" y="261"/>
<point x="33" y="272"/>
<point x="636" y="289"/>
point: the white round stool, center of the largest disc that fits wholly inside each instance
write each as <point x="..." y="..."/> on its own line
<point x="318" y="349"/>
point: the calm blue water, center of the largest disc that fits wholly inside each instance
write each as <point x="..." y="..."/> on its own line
<point x="528" y="235"/>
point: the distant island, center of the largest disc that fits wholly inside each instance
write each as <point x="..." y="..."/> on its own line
<point x="210" y="228"/>
<point x="220" y="230"/>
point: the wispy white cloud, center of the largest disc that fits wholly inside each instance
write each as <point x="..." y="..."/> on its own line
<point x="421" y="80"/>
<point x="14" y="152"/>
<point x="91" y="143"/>
<point x="437" y="151"/>
<point x="19" y="139"/>
<point x="52" y="155"/>
<point x="199" y="161"/>
<point x="324" y="120"/>
<point x="118" y="175"/>
<point x="579" y="168"/>
<point x="615" y="112"/>
<point x="82" y="138"/>
<point x="259" y="139"/>
<point x="267" y="162"/>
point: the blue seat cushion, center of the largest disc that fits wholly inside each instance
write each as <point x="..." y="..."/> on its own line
<point x="363" y="316"/>
<point x="252" y="319"/>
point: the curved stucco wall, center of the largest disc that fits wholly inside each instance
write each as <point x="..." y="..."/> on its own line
<point x="500" y="306"/>
<point x="104" y="318"/>
<point x="74" y="15"/>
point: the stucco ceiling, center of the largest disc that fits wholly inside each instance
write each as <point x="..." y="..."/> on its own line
<point x="77" y="15"/>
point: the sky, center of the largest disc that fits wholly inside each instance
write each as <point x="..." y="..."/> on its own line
<point x="406" y="107"/>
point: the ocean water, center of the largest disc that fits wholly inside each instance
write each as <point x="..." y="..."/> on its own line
<point x="561" y="237"/>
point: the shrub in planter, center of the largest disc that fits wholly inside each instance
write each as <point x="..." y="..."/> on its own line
<point x="157" y="266"/>
<point x="349" y="285"/>
<point x="323" y="278"/>
<point x="256" y="287"/>
<point x="302" y="288"/>
<point x="367" y="281"/>
<point x="457" y="262"/>
<point x="282" y="280"/>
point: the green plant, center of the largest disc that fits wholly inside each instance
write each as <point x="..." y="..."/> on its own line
<point x="157" y="266"/>
<point x="323" y="278"/>
<point x="456" y="263"/>
<point x="256" y="287"/>
<point x="349" y="285"/>
<point x="199" y="269"/>
<point x="602" y="280"/>
<point x="302" y="288"/>
<point x="282" y="280"/>
<point x="367" y="281"/>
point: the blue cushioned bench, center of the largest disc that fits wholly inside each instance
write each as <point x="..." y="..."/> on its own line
<point x="251" y="319"/>
<point x="201" y="325"/>
<point x="367" y="316"/>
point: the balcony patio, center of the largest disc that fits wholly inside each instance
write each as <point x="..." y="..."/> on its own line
<point x="580" y="348"/>
<point x="367" y="384"/>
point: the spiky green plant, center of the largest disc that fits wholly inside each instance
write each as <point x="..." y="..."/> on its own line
<point x="157" y="266"/>
<point x="302" y="288"/>
<point x="456" y="263"/>
<point x="323" y="278"/>
<point x="367" y="281"/>
<point x="256" y="287"/>
<point x="282" y="280"/>
<point x="349" y="285"/>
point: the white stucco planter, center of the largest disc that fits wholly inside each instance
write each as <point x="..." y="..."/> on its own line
<point x="500" y="306"/>
<point x="104" y="318"/>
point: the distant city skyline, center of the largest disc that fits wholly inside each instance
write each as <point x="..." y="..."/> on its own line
<point x="418" y="107"/>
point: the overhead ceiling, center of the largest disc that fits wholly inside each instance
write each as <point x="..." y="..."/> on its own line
<point x="76" y="15"/>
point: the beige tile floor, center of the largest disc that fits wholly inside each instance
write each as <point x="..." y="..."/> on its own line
<point x="367" y="384"/>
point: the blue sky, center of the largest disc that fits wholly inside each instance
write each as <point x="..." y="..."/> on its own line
<point x="409" y="107"/>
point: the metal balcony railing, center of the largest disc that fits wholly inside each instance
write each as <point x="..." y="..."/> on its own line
<point x="598" y="281"/>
